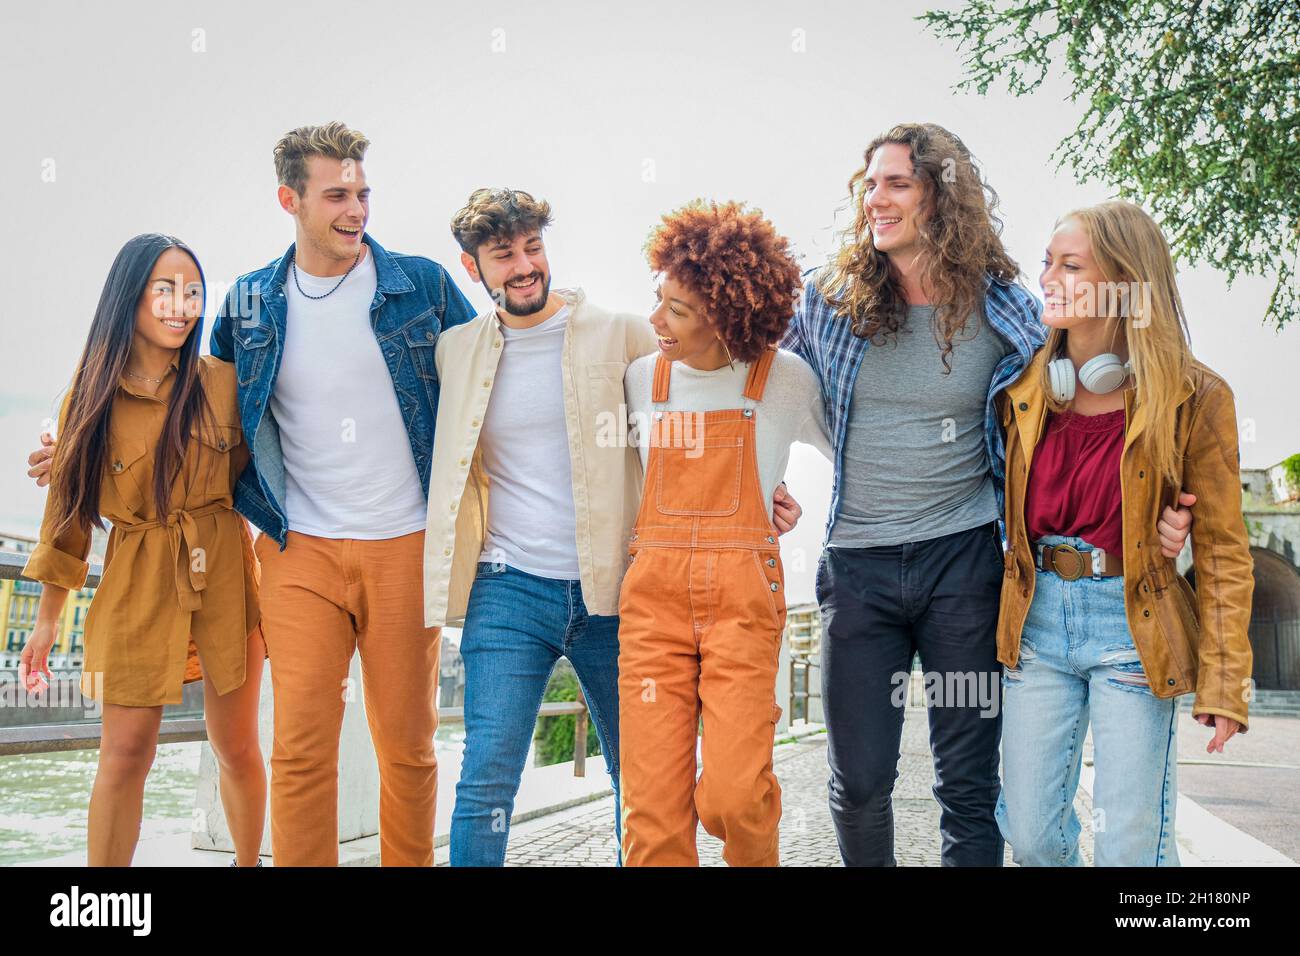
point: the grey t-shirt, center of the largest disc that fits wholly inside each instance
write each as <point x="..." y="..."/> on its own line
<point x="914" y="464"/>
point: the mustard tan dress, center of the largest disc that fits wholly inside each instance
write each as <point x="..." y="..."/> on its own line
<point x="175" y="585"/>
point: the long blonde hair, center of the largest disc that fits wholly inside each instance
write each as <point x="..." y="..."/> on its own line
<point x="1131" y="252"/>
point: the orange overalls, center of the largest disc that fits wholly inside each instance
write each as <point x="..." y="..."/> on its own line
<point x="701" y="615"/>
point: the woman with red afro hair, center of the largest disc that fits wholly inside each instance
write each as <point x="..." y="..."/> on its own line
<point x="702" y="608"/>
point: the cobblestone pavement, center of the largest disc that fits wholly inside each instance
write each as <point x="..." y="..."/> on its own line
<point x="584" y="836"/>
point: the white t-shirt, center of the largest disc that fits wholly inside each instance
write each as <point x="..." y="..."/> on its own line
<point x="348" y="467"/>
<point x="531" y="523"/>
<point x="791" y="409"/>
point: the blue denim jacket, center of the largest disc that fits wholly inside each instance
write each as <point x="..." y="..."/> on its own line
<point x="415" y="299"/>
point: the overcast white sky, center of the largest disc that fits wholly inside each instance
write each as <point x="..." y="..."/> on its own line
<point x="615" y="113"/>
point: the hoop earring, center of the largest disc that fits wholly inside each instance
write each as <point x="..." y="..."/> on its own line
<point x="728" y="351"/>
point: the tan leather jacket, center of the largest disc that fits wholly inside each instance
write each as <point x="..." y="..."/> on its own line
<point x="1188" y="640"/>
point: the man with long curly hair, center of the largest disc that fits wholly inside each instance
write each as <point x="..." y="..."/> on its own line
<point x="913" y="328"/>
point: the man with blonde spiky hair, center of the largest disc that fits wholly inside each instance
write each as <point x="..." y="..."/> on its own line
<point x="338" y="393"/>
<point x="333" y="346"/>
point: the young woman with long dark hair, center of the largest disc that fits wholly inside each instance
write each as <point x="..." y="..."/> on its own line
<point x="149" y="438"/>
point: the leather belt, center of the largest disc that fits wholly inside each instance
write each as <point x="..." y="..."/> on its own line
<point x="1071" y="563"/>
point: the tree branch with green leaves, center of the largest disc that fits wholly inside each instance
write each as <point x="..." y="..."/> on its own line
<point x="1191" y="110"/>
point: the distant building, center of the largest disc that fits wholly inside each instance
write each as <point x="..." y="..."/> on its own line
<point x="1270" y="486"/>
<point x="1271" y="506"/>
<point x="18" y="602"/>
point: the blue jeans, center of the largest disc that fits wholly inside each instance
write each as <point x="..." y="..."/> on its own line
<point x="517" y="626"/>
<point x="1078" y="664"/>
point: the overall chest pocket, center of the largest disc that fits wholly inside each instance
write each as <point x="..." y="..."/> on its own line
<point x="700" y="477"/>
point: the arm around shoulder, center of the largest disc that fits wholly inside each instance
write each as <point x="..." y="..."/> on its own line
<point x="457" y="309"/>
<point x="813" y="431"/>
<point x="639" y="335"/>
<point x="795" y="339"/>
<point x="446" y="342"/>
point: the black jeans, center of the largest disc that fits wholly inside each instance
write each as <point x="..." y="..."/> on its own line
<point x="880" y="606"/>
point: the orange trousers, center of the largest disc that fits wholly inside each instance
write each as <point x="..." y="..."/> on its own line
<point x="323" y="599"/>
<point x="701" y="615"/>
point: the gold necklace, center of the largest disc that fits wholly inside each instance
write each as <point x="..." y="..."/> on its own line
<point x="143" y="378"/>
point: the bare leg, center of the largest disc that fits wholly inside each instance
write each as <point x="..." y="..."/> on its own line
<point x="126" y="753"/>
<point x="232" y="731"/>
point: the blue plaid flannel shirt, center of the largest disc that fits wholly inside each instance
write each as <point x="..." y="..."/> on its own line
<point x="826" y="342"/>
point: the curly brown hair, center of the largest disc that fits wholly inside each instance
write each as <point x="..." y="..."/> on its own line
<point x="498" y="213"/>
<point x="738" y="264"/>
<point x="960" y="240"/>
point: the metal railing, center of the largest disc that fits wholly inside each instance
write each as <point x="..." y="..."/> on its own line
<point x="13" y="562"/>
<point x="803" y="641"/>
<point x="86" y="735"/>
<point x="801" y="692"/>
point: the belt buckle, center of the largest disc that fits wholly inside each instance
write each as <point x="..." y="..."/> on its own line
<point x="1078" y="559"/>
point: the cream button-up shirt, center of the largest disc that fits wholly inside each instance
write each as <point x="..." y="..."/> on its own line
<point x="606" y="467"/>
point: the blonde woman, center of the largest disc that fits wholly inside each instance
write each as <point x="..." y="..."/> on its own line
<point x="1110" y="423"/>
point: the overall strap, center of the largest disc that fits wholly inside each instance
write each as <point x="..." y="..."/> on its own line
<point x="755" y="383"/>
<point x="663" y="369"/>
<point x="757" y="380"/>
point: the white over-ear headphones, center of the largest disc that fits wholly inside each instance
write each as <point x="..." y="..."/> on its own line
<point x="1099" y="375"/>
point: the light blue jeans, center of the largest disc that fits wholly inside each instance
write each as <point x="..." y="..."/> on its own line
<point x="1078" y="664"/>
<point x="517" y="625"/>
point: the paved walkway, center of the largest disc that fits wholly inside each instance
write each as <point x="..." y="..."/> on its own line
<point x="1254" y="784"/>
<point x="584" y="836"/>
